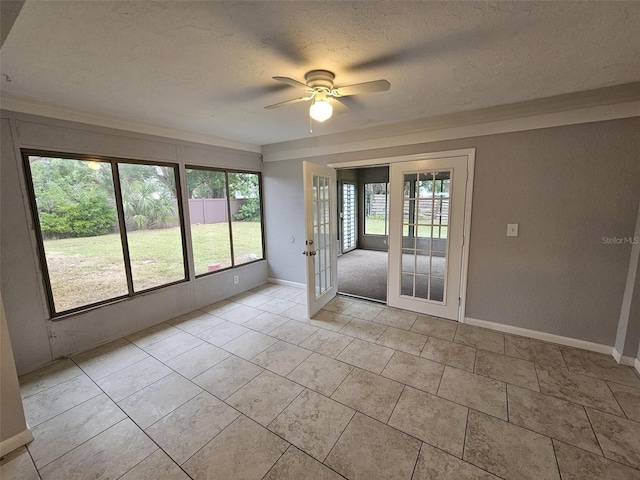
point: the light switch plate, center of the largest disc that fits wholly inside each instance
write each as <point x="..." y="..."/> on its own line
<point x="512" y="230"/>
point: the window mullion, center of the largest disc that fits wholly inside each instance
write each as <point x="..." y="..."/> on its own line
<point x="182" y="221"/>
<point x="226" y="186"/>
<point x="121" y="224"/>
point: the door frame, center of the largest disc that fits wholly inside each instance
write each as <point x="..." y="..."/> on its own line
<point x="470" y="154"/>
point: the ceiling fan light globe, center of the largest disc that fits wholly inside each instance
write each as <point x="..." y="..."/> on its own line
<point x="320" y="110"/>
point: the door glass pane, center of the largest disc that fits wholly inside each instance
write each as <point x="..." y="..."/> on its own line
<point x="422" y="287"/>
<point x="246" y="217"/>
<point x="408" y="261"/>
<point x="437" y="289"/>
<point x="406" y="285"/>
<point x="423" y="231"/>
<point x="424" y="187"/>
<point x="441" y="204"/>
<point x="407" y="212"/>
<point x="438" y="264"/>
<point x="424" y="213"/>
<point x="424" y="234"/>
<point x="208" y="213"/>
<point x="79" y="225"/>
<point x="150" y="203"/>
<point x="410" y="180"/>
<point x="423" y="263"/>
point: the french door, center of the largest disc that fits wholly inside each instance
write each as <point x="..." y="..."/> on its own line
<point x="427" y="222"/>
<point x="320" y="231"/>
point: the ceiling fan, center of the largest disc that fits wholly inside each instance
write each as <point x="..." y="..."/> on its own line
<point x="324" y="96"/>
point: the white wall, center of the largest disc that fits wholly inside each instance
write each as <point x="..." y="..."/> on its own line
<point x="36" y="339"/>
<point x="566" y="186"/>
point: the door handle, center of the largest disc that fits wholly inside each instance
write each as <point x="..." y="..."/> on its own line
<point x="310" y="254"/>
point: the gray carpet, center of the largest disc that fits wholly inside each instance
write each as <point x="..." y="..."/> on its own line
<point x="364" y="273"/>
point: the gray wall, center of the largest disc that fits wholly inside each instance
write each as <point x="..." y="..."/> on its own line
<point x="567" y="187"/>
<point x="36" y="340"/>
<point x="284" y="220"/>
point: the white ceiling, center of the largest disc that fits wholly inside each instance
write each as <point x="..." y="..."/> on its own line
<point x="206" y="66"/>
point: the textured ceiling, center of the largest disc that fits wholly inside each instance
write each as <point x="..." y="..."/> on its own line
<point x="207" y="66"/>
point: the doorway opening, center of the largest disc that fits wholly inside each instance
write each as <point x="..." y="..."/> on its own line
<point x="363" y="232"/>
<point x="414" y="207"/>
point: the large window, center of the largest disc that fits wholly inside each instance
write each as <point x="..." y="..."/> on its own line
<point x="107" y="228"/>
<point x="376" y="208"/>
<point x="226" y="218"/>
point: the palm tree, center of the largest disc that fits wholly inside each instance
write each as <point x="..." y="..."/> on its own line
<point x="148" y="203"/>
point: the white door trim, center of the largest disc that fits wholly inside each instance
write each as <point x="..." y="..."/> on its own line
<point x="471" y="162"/>
<point x="404" y="158"/>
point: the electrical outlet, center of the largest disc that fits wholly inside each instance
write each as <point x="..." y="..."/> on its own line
<point x="512" y="230"/>
<point x="236" y="279"/>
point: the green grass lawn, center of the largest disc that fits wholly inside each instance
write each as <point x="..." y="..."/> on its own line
<point x="91" y="269"/>
<point x="374" y="225"/>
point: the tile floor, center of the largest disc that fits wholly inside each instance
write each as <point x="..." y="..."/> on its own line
<point x="249" y="388"/>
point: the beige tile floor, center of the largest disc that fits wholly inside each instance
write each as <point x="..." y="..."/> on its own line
<point x="249" y="388"/>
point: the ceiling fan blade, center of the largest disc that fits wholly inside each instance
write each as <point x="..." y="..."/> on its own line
<point x="291" y="81"/>
<point x="289" y="102"/>
<point x="338" y="105"/>
<point x="367" y="87"/>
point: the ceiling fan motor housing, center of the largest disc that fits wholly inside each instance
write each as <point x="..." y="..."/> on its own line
<point x="320" y="78"/>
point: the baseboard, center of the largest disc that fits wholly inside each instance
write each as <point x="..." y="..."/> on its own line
<point x="17" y="441"/>
<point x="636" y="364"/>
<point x="546" y="337"/>
<point x="616" y="355"/>
<point x="287" y="283"/>
<point x="622" y="359"/>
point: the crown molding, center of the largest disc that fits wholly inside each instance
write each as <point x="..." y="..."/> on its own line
<point x="621" y="101"/>
<point x="34" y="106"/>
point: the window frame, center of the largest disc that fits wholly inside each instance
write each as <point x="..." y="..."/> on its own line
<point x="113" y="162"/>
<point x="226" y="172"/>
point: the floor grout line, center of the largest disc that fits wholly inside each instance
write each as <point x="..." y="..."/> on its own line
<point x="469" y="409"/>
